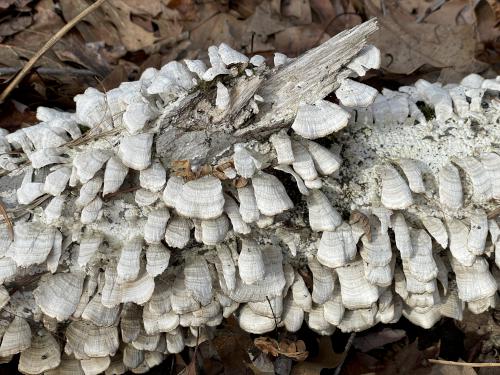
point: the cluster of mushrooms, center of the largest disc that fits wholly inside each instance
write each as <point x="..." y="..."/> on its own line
<point x="130" y="259"/>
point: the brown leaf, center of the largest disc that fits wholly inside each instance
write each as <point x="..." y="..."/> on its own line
<point x="325" y="359"/>
<point x="245" y="8"/>
<point x="298" y="10"/>
<point x="324" y="9"/>
<point x="408" y="360"/>
<point x="5" y="4"/>
<point x="455" y="12"/>
<point x="488" y="32"/>
<point x="261" y="365"/>
<point x="73" y="50"/>
<point x="297" y="39"/>
<point x="452" y="370"/>
<point x="267" y="345"/>
<point x="132" y="36"/>
<point x="188" y="9"/>
<point x="16" y="115"/>
<point x="96" y="27"/>
<point x="378" y="339"/>
<point x="285" y="347"/>
<point x="221" y="27"/>
<point x="232" y="344"/>
<point x="416" y="8"/>
<point x="264" y="22"/>
<point x="117" y="76"/>
<point x="15" y="25"/>
<point x="495" y="6"/>
<point x="191" y="368"/>
<point x="407" y="45"/>
<point x="360" y="363"/>
<point x="150" y="7"/>
<point x="45" y="23"/>
<point x="359" y="217"/>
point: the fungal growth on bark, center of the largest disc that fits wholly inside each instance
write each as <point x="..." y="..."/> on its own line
<point x="162" y="207"/>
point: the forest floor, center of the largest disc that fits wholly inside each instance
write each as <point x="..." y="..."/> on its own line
<point x="436" y="40"/>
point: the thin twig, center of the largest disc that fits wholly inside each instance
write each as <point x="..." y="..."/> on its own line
<point x="463" y="364"/>
<point x="8" y="221"/>
<point x="346" y="351"/>
<point x="275" y="320"/>
<point x="53" y="40"/>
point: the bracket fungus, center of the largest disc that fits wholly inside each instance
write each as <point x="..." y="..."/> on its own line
<point x="387" y="210"/>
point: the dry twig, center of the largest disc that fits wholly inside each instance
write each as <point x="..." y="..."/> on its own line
<point x="463" y="364"/>
<point x="8" y="221"/>
<point x="53" y="40"/>
<point x="346" y="352"/>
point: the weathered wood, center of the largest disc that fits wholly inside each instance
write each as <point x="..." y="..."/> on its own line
<point x="309" y="78"/>
<point x="196" y="131"/>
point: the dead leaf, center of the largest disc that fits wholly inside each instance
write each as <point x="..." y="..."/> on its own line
<point x="291" y="349"/>
<point x="115" y="78"/>
<point x="416" y="8"/>
<point x="378" y="339"/>
<point x="96" y="27"/>
<point x="452" y="370"/>
<point x="72" y="50"/>
<point x="408" y="360"/>
<point x="324" y="9"/>
<point x="191" y="368"/>
<point x="407" y="45"/>
<point x="220" y="27"/>
<point x="132" y="36"/>
<point x="295" y="40"/>
<point x="5" y="4"/>
<point x="488" y="32"/>
<point x="45" y="23"/>
<point x="150" y="7"/>
<point x="325" y="359"/>
<point x="261" y="365"/>
<point x="188" y="9"/>
<point x="454" y="12"/>
<point x="361" y="363"/>
<point x="495" y="6"/>
<point x="232" y="344"/>
<point x="298" y="10"/>
<point x="16" y="115"/>
<point x="245" y="8"/>
<point x="15" y="25"/>
<point x="359" y="217"/>
<point x="264" y="22"/>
